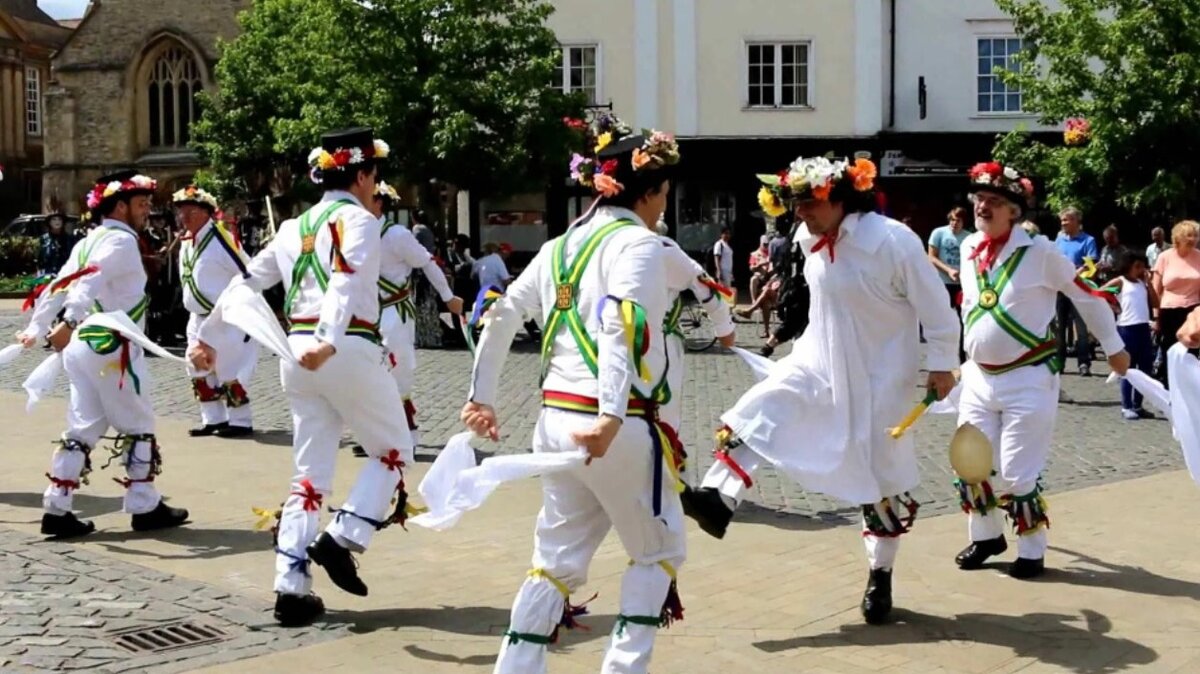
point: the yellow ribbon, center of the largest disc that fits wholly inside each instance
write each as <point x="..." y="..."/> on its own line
<point x="558" y="584"/>
<point x="265" y="518"/>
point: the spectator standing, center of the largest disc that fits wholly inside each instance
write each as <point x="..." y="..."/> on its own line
<point x="54" y="246"/>
<point x="1138" y="301"/>
<point x="945" y="244"/>
<point x="1110" y="255"/>
<point x="1176" y="281"/>
<point x="793" y="301"/>
<point x="723" y="259"/>
<point x="1157" y="245"/>
<point x="1076" y="245"/>
<point x="491" y="269"/>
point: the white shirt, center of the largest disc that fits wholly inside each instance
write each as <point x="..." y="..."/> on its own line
<point x="120" y="283"/>
<point x="349" y="295"/>
<point x="1135" y="303"/>
<point x="401" y="253"/>
<point x="1153" y="251"/>
<point x="627" y="265"/>
<point x="1030" y="298"/>
<point x="211" y="270"/>
<point x="724" y="254"/>
<point x="492" y="271"/>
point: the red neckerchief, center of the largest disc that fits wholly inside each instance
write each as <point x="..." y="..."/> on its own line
<point x="827" y="239"/>
<point x="989" y="248"/>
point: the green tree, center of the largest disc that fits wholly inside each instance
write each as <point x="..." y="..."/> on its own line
<point x="1131" y="68"/>
<point x="458" y="88"/>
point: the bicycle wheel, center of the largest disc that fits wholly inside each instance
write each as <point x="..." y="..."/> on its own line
<point x="698" y="332"/>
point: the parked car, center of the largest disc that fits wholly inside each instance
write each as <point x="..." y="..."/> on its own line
<point x="35" y="225"/>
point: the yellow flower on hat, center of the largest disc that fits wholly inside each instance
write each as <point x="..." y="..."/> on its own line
<point x="325" y="161"/>
<point x="603" y="140"/>
<point x="770" y="204"/>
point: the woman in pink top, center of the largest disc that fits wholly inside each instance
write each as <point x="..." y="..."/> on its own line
<point x="1177" y="283"/>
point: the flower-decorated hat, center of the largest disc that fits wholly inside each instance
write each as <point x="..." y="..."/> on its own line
<point x="196" y="196"/>
<point x="124" y="183"/>
<point x="614" y="156"/>
<point x="815" y="178"/>
<point x="386" y="192"/>
<point x="1002" y="180"/>
<point x="341" y="150"/>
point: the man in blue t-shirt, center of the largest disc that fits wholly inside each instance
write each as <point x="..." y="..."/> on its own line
<point x="944" y="245"/>
<point x="1076" y="245"/>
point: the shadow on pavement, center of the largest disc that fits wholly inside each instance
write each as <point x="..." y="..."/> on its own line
<point x="752" y="513"/>
<point x="86" y="504"/>
<point x="470" y="620"/>
<point x="194" y="543"/>
<point x="433" y="656"/>
<point x="275" y="438"/>
<point x="1050" y="638"/>
<point x="1133" y="579"/>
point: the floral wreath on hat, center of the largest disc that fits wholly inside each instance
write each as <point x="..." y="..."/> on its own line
<point x="659" y="150"/>
<point x="386" y="191"/>
<point x="813" y="178"/>
<point x="321" y="160"/>
<point x="1004" y="180"/>
<point x="102" y="191"/>
<point x="195" y="195"/>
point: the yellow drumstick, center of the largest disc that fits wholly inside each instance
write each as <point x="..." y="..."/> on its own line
<point x="913" y="415"/>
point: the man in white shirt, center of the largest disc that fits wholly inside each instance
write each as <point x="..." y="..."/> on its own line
<point x="821" y="415"/>
<point x="723" y="259"/>
<point x="491" y="269"/>
<point x="209" y="257"/>
<point x="328" y="260"/>
<point x="1010" y="381"/>
<point x="109" y="384"/>
<point x="602" y="290"/>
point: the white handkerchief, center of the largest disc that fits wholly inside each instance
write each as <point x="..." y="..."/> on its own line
<point x="42" y="380"/>
<point x="10" y="353"/>
<point x="1184" y="373"/>
<point x="119" y="321"/>
<point x="759" y="365"/>
<point x="249" y="312"/>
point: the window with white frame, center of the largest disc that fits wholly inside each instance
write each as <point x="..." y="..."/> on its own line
<point x="33" y="102"/>
<point x="994" y="94"/>
<point x="778" y="74"/>
<point x="578" y="71"/>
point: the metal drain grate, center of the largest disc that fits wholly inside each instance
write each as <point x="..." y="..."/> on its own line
<point x="167" y="637"/>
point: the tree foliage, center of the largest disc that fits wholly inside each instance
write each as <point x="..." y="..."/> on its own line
<point x="1131" y="68"/>
<point x="458" y="88"/>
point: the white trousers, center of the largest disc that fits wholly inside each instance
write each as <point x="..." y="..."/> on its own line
<point x="236" y="361"/>
<point x="101" y="398"/>
<point x="1016" y="411"/>
<point x="578" y="509"/>
<point x="400" y="339"/>
<point x="881" y="551"/>
<point x="352" y="389"/>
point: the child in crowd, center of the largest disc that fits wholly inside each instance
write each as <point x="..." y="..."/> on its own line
<point x="1137" y="300"/>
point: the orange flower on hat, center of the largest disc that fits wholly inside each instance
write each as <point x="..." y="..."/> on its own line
<point x="822" y="191"/>
<point x="863" y="172"/>
<point x="640" y="158"/>
<point x="607" y="185"/>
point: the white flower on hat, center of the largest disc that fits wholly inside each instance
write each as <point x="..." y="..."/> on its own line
<point x="1011" y="173"/>
<point x="356" y="155"/>
<point x="112" y="188"/>
<point x="382" y="150"/>
<point x="314" y="156"/>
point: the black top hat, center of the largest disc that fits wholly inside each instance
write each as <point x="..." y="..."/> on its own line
<point x="360" y="137"/>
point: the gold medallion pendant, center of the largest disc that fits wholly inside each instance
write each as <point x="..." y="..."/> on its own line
<point x="988" y="298"/>
<point x="563" y="296"/>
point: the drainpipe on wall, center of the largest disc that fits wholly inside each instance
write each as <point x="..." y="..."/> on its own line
<point x="892" y="70"/>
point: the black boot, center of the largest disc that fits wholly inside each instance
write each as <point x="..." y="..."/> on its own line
<point x="877" y="600"/>
<point x="65" y="526"/>
<point x="294" y="610"/>
<point x="359" y="451"/>
<point x="206" y="430"/>
<point x="1024" y="568"/>
<point x="974" y="555"/>
<point x="338" y="563"/>
<point x="231" y="431"/>
<point x="706" y="506"/>
<point x="162" y="517"/>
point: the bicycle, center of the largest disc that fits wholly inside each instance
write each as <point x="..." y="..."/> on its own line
<point x="697" y="328"/>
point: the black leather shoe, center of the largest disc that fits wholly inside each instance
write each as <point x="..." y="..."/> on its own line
<point x="877" y="600"/>
<point x="206" y="430"/>
<point x="1024" y="569"/>
<point x="706" y="506"/>
<point x="162" y="517"/>
<point x="294" y="610"/>
<point x="357" y="450"/>
<point x="231" y="431"/>
<point x="65" y="526"/>
<point x="338" y="563"/>
<point x="974" y="555"/>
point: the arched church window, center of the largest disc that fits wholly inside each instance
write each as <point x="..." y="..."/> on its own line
<point x="172" y="93"/>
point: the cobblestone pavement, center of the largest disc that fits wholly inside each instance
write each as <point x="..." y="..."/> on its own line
<point x="1093" y="445"/>
<point x="62" y="608"/>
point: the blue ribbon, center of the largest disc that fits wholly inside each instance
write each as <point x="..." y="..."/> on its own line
<point x="299" y="564"/>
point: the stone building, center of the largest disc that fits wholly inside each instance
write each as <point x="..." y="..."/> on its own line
<point x="28" y="38"/>
<point x="124" y="93"/>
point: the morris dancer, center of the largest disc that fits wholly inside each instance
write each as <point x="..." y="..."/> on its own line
<point x="208" y="258"/>
<point x="604" y="277"/>
<point x="821" y="416"/>
<point x="1010" y="383"/>
<point x="328" y="262"/>
<point x="401" y="255"/>
<point x="109" y="382"/>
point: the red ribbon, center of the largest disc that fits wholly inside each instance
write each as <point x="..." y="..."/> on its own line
<point x="724" y="457"/>
<point x="339" y="260"/>
<point x="410" y="411"/>
<point x="312" y="498"/>
<point x="716" y="287"/>
<point x="392" y="460"/>
<point x="827" y="240"/>
<point x="67" y="486"/>
<point x="57" y="285"/>
<point x="990" y="249"/>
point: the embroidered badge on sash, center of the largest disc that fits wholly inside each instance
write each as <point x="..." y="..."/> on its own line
<point x="988" y="298"/>
<point x="563" y="296"/>
<point x="308" y="244"/>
